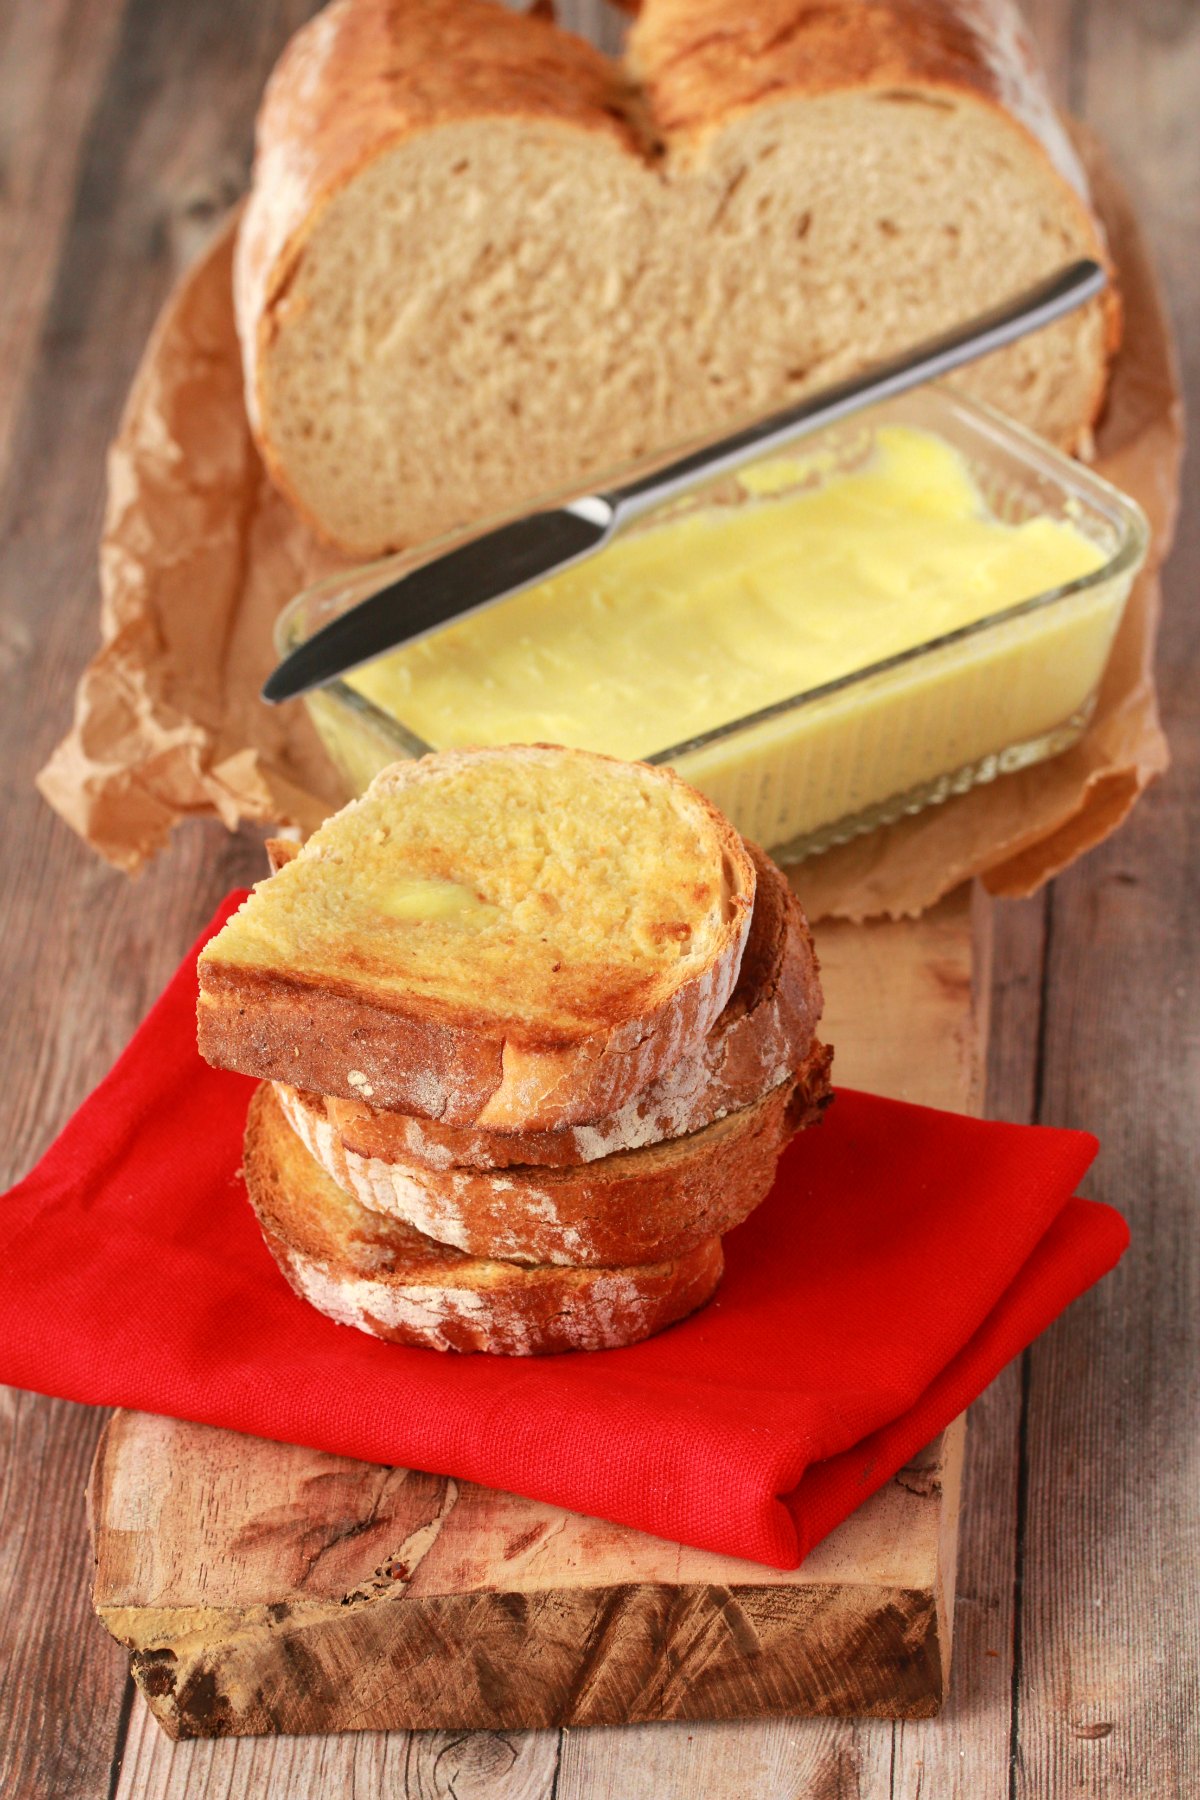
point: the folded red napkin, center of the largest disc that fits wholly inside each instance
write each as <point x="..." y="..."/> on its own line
<point x="904" y="1256"/>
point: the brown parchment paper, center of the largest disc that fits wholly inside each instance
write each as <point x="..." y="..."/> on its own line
<point x="199" y="554"/>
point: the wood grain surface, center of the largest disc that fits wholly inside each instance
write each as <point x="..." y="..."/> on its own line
<point x="267" y="1588"/>
<point x="125" y="127"/>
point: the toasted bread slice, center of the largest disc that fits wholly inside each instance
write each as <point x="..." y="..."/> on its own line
<point x="387" y="1279"/>
<point x="763" y="1036"/>
<point x="635" y="1206"/>
<point x="520" y="937"/>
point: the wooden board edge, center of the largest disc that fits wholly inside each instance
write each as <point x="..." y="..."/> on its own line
<point x="747" y="1653"/>
<point x="983" y="939"/>
<point x="635" y="1653"/>
<point x="954" y="1460"/>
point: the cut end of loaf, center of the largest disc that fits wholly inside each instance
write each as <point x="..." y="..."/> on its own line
<point x="492" y="310"/>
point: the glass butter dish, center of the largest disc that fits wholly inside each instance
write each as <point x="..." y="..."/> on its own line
<point x="816" y="643"/>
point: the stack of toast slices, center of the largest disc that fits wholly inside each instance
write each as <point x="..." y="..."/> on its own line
<point x="533" y="1027"/>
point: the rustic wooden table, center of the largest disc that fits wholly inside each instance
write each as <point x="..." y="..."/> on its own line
<point x="125" y="129"/>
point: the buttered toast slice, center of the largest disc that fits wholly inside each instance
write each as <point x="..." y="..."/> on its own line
<point x="387" y="1279"/>
<point x="519" y="938"/>
<point x="764" y="1034"/>
<point x="635" y="1206"/>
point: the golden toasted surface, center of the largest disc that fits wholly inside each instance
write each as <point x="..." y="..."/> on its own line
<point x="763" y="1034"/>
<point x="528" y="886"/>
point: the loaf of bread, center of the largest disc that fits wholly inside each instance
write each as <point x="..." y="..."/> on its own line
<point x="765" y="1034"/>
<point x="519" y="938"/>
<point x="480" y="262"/>
<point x="380" y="1275"/>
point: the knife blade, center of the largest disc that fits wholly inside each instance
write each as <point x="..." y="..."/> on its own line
<point x="471" y="576"/>
<point x="515" y="555"/>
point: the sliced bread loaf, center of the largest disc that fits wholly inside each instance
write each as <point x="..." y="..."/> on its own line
<point x="635" y="1206"/>
<point x="764" y="1035"/>
<point x="480" y="262"/>
<point x="382" y="1276"/>
<point x="518" y="938"/>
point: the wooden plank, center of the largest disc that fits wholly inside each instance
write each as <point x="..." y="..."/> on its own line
<point x="777" y="1759"/>
<point x="60" y="1690"/>
<point x="228" y="1566"/>
<point x="51" y="57"/>
<point x="264" y="1588"/>
<point x="1009" y="1481"/>
<point x="120" y="129"/>
<point x="965" y="1751"/>
<point x="1109" y="1694"/>
<point x="427" y="1765"/>
<point x="54" y="58"/>
<point x="1109" y="1653"/>
<point x="897" y="985"/>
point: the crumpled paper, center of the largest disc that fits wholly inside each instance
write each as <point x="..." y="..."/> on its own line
<point x="199" y="554"/>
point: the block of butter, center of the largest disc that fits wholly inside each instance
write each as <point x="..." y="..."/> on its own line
<point x="915" y="601"/>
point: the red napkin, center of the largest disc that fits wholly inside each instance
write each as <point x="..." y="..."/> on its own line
<point x="904" y="1256"/>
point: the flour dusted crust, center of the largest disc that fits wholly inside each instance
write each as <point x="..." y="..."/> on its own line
<point x="333" y="1034"/>
<point x="634" y="1206"/>
<point x="762" y="1037"/>
<point x="708" y="88"/>
<point x="388" y="1280"/>
<point x="691" y="1155"/>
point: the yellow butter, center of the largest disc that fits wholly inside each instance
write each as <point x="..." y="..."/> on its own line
<point x="721" y="612"/>
<point x="807" y="575"/>
<point x="412" y="898"/>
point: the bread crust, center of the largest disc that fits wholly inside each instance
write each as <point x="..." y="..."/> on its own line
<point x="386" y="1279"/>
<point x="763" y="1035"/>
<point x="703" y="64"/>
<point x="635" y="1206"/>
<point x="470" y="1068"/>
<point x="366" y="74"/>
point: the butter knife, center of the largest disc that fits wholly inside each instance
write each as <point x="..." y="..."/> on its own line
<point x="501" y="562"/>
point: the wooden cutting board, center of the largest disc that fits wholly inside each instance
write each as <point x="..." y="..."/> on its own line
<point x="266" y="1588"/>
